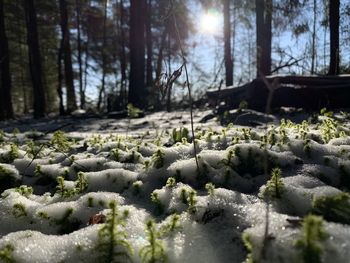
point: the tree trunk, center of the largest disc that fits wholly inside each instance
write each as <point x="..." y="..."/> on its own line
<point x="334" y="36"/>
<point x="39" y="102"/>
<point x="103" y="51"/>
<point x="137" y="91"/>
<point x="80" y="61"/>
<point x="227" y="44"/>
<point x="66" y="52"/>
<point x="160" y="53"/>
<point x="263" y="36"/>
<point x="169" y="92"/>
<point x="313" y="45"/>
<point x="149" y="67"/>
<point x="123" y="94"/>
<point x="6" y="109"/>
<point x="59" y="80"/>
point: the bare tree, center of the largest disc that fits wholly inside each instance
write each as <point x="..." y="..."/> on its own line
<point x="67" y="57"/>
<point x="334" y="36"/>
<point x="137" y="91"/>
<point x="6" y="109"/>
<point x="263" y="36"/>
<point x="39" y="102"/>
<point x="227" y="44"/>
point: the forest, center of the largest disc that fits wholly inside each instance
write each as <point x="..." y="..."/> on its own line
<point x="60" y="56"/>
<point x="174" y="131"/>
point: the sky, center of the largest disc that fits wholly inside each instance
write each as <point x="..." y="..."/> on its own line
<point x="206" y="52"/>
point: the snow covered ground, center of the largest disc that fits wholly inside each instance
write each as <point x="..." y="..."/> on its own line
<point x="129" y="190"/>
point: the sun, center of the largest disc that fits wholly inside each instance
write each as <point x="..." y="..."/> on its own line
<point x="209" y="22"/>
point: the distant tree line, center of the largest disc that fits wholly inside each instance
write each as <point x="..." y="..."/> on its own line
<point x="51" y="50"/>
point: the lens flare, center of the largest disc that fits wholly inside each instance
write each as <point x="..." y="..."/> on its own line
<point x="210" y="22"/>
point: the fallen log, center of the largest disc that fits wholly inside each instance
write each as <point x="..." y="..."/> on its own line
<point x="308" y="92"/>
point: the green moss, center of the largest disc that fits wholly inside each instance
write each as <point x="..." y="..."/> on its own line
<point x="24" y="190"/>
<point x="158" y="159"/>
<point x="310" y="241"/>
<point x="62" y="190"/>
<point x="19" y="210"/>
<point x="249" y="246"/>
<point x="154" y="251"/>
<point x="171" y="226"/>
<point x="210" y="188"/>
<point x="159" y="206"/>
<point x="60" y="142"/>
<point x="191" y="200"/>
<point x="81" y="184"/>
<point x="6" y="254"/>
<point x="43" y="215"/>
<point x="274" y="187"/>
<point x="112" y="243"/>
<point x="333" y="208"/>
<point x="171" y="182"/>
<point x="133" y="112"/>
<point x="178" y="135"/>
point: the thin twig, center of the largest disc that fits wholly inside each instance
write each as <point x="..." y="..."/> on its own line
<point x="188" y="85"/>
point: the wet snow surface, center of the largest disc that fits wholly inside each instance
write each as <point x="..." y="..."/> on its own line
<point x="129" y="162"/>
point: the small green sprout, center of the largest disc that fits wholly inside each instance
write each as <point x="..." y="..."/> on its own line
<point x="12" y="154"/>
<point x="115" y="154"/>
<point x="334" y="208"/>
<point x="243" y="105"/>
<point x="6" y="254"/>
<point x="157" y="202"/>
<point x="19" y="210"/>
<point x="191" y="200"/>
<point x="154" y="251"/>
<point x="329" y="129"/>
<point x="228" y="161"/>
<point x="312" y="235"/>
<point x="136" y="187"/>
<point x="158" y="159"/>
<point x="112" y="243"/>
<point x="133" y="112"/>
<point x="62" y="190"/>
<point x="210" y="188"/>
<point x="60" y="141"/>
<point x="183" y="195"/>
<point x="81" y="184"/>
<point x="171" y="182"/>
<point x="90" y="201"/>
<point x="249" y="245"/>
<point x="43" y="215"/>
<point x="274" y="187"/>
<point x="178" y="135"/>
<point x="24" y="190"/>
<point x="171" y="226"/>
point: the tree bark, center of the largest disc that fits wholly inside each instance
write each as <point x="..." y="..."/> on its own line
<point x="263" y="36"/>
<point x="137" y="91"/>
<point x="149" y="67"/>
<point x="334" y="36"/>
<point x="59" y="81"/>
<point x="6" y="109"/>
<point x="103" y="53"/>
<point x="122" y="54"/>
<point x="227" y="44"/>
<point x="313" y="45"/>
<point x="80" y="61"/>
<point x="67" y="58"/>
<point x="39" y="102"/>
